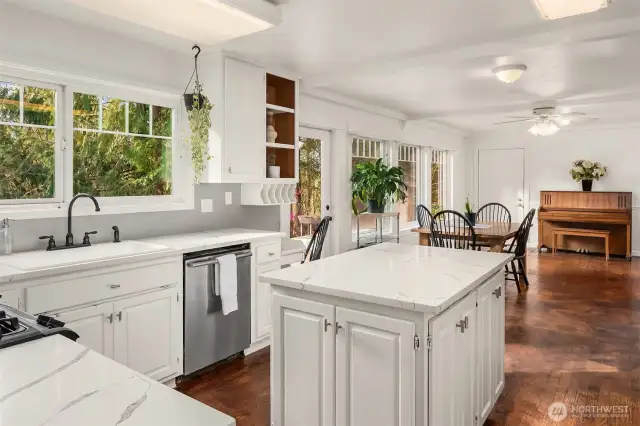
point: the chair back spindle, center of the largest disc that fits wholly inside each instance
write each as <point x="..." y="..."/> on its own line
<point x="493" y="212"/>
<point x="314" y="249"/>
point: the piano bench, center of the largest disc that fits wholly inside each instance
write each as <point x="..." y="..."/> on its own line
<point x="597" y="233"/>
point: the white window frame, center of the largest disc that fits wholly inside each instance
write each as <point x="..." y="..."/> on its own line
<point x="420" y="176"/>
<point x="182" y="197"/>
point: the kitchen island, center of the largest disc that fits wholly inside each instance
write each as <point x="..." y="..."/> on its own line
<point x="56" y="382"/>
<point x="388" y="335"/>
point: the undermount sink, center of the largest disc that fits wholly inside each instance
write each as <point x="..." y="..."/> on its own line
<point x="50" y="259"/>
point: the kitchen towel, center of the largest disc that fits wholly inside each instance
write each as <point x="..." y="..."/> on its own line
<point x="228" y="283"/>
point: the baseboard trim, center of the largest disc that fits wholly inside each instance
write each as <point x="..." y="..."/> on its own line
<point x="260" y="344"/>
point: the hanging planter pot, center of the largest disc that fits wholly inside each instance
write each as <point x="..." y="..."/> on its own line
<point x="191" y="99"/>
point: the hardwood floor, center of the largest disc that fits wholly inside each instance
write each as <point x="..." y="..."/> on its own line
<point x="573" y="337"/>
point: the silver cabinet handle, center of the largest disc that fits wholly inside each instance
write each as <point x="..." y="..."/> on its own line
<point x="119" y="316"/>
<point x="460" y="324"/>
<point x="114" y="286"/>
<point x="271" y="253"/>
<point x="466" y="322"/>
<point x="110" y="318"/>
<point x="327" y="324"/>
<point x="338" y="327"/>
<point x="498" y="292"/>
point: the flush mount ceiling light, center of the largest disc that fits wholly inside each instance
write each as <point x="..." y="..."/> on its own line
<point x="509" y="73"/>
<point x="544" y="128"/>
<point x="557" y="9"/>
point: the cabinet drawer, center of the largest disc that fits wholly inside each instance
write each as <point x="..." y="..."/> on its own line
<point x="78" y="290"/>
<point x="268" y="253"/>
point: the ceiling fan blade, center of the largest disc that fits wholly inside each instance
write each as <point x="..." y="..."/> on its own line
<point x="515" y="121"/>
<point x="520" y="116"/>
<point x="571" y="114"/>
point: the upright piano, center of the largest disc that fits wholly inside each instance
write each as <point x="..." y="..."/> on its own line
<point x="586" y="210"/>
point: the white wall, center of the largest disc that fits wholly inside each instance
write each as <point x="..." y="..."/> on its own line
<point x="36" y="40"/>
<point x="345" y="121"/>
<point x="548" y="160"/>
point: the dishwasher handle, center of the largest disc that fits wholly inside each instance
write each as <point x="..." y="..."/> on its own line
<point x="214" y="261"/>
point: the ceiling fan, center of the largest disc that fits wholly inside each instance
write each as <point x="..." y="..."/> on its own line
<point x="547" y="121"/>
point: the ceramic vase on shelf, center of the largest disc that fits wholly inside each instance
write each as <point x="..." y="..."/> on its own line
<point x="587" y="184"/>
<point x="272" y="135"/>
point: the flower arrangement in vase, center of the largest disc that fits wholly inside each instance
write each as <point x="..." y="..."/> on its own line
<point x="586" y="172"/>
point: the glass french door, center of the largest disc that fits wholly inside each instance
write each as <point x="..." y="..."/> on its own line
<point x="312" y="192"/>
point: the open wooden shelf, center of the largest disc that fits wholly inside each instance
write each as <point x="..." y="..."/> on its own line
<point x="281" y="92"/>
<point x="279" y="110"/>
<point x="286" y="159"/>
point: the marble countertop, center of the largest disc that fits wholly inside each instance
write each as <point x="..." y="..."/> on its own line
<point x="34" y="264"/>
<point x="54" y="382"/>
<point x="417" y="278"/>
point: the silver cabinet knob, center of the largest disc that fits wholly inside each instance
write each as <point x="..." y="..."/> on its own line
<point x="327" y="324"/>
<point x="460" y="325"/>
<point x="114" y="286"/>
<point x="338" y="327"/>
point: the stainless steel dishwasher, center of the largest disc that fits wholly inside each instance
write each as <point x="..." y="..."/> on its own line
<point x="210" y="336"/>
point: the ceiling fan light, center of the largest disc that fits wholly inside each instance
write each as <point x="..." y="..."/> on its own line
<point x="544" y="128"/>
<point x="554" y="9"/>
<point x="565" y="121"/>
<point x="509" y="73"/>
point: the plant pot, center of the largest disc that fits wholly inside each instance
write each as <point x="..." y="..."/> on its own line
<point x="471" y="217"/>
<point x="273" y="172"/>
<point x="188" y="100"/>
<point x="375" y="207"/>
<point x="587" y="185"/>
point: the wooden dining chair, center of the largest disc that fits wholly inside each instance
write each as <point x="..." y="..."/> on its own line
<point x="450" y="229"/>
<point x="519" y="248"/>
<point x="424" y="216"/>
<point x="314" y="249"/>
<point x="493" y="212"/>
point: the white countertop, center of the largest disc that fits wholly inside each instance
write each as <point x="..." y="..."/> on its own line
<point x="54" y="382"/>
<point x="34" y="264"/>
<point x="418" y="278"/>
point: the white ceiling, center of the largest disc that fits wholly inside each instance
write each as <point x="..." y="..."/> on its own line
<point x="433" y="59"/>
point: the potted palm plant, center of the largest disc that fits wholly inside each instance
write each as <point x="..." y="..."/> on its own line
<point x="376" y="184"/>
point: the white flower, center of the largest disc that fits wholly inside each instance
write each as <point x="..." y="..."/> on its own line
<point x="577" y="162"/>
<point x="578" y="169"/>
<point x="587" y="164"/>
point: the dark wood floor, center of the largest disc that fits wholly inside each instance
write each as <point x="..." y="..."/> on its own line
<point x="573" y="337"/>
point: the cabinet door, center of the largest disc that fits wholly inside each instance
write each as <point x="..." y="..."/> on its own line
<point x="145" y="334"/>
<point x="375" y="370"/>
<point x="467" y="361"/>
<point x="498" y="329"/>
<point x="11" y="298"/>
<point x="262" y="307"/>
<point x="303" y="365"/>
<point x="485" y="351"/>
<point x="94" y="325"/>
<point x="244" y="121"/>
<point x="451" y="365"/>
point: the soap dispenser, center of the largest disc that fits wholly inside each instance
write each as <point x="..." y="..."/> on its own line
<point x="6" y="238"/>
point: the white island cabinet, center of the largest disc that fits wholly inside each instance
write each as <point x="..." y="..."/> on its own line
<point x="388" y="335"/>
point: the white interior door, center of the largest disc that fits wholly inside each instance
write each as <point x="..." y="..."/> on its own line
<point x="314" y="160"/>
<point x="501" y="179"/>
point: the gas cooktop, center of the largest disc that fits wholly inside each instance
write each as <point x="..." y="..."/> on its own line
<point x="19" y="327"/>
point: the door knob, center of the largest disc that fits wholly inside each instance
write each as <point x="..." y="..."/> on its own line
<point x="327" y="207"/>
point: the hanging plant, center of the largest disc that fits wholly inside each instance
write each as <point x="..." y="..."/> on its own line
<point x="199" y="115"/>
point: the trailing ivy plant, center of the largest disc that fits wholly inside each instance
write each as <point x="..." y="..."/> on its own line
<point x="199" y="124"/>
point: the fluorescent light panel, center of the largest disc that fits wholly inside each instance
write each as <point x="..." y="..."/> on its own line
<point x="557" y="9"/>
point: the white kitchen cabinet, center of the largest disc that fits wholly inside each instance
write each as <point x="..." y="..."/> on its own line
<point x="375" y="369"/>
<point x="452" y="365"/>
<point x="244" y="121"/>
<point x="302" y="372"/>
<point x="498" y="345"/>
<point x="11" y="298"/>
<point x="94" y="325"/>
<point x="262" y="309"/>
<point x="146" y="331"/>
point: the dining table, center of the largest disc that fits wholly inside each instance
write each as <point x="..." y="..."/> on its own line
<point x="494" y="235"/>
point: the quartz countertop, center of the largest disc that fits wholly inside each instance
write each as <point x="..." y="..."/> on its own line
<point x="417" y="278"/>
<point x="34" y="264"/>
<point x="54" y="382"/>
